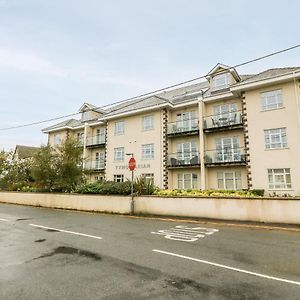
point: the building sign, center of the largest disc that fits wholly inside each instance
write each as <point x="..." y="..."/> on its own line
<point x="138" y="166"/>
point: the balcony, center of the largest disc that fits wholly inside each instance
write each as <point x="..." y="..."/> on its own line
<point x="221" y="122"/>
<point x="184" y="127"/>
<point x="95" y="141"/>
<point x="224" y="157"/>
<point x="183" y="160"/>
<point x="95" y="165"/>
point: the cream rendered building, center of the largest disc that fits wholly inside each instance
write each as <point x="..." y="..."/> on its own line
<point x="229" y="132"/>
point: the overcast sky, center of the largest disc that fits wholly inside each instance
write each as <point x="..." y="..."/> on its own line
<point x="57" y="54"/>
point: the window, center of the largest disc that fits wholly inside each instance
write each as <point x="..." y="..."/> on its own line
<point x="80" y="137"/>
<point x="228" y="149"/>
<point x="87" y="115"/>
<point x="220" y="81"/>
<point x="99" y="162"/>
<point x="186" y="121"/>
<point x="119" y="128"/>
<point x="148" y="151"/>
<point x="187" y="181"/>
<point x="149" y="177"/>
<point x="275" y="138"/>
<point x="148" y="123"/>
<point x="229" y="180"/>
<point x="271" y="100"/>
<point x="119" y="154"/>
<point x="186" y="151"/>
<point x="57" y="139"/>
<point x="279" y="178"/>
<point x="225" y="114"/>
<point x="118" y="178"/>
<point x="100" y="135"/>
<point x="99" y="178"/>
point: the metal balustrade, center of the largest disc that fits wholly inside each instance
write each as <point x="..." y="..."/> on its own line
<point x="95" y="165"/>
<point x="189" y="126"/>
<point x="183" y="159"/>
<point x="225" y="156"/>
<point x="230" y="120"/>
<point x="97" y="140"/>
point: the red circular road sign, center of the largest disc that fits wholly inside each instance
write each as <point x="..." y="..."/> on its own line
<point x="131" y="164"/>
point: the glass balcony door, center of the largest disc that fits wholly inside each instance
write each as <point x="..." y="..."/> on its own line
<point x="225" y="114"/>
<point x="186" y="151"/>
<point x="99" y="160"/>
<point x="100" y="136"/>
<point x="228" y="149"/>
<point x="186" y="121"/>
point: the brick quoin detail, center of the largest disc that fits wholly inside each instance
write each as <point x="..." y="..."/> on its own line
<point x="165" y="148"/>
<point x="246" y="142"/>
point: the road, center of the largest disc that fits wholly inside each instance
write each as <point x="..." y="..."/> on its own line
<point x="58" y="254"/>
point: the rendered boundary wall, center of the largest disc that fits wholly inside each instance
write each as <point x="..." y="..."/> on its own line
<point x="268" y="210"/>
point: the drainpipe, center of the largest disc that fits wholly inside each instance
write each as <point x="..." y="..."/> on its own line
<point x="84" y="144"/>
<point x="297" y="98"/>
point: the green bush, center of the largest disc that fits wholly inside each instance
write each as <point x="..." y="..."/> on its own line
<point x="106" y="188"/>
<point x="258" y="192"/>
<point x="205" y="193"/>
<point x="143" y="186"/>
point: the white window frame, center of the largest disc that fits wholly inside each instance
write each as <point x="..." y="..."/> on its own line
<point x="275" y="138"/>
<point x="186" y="151"/>
<point x="187" y="181"/>
<point x="80" y="137"/>
<point x="225" y="113"/>
<point x="87" y="115"/>
<point x="99" y="160"/>
<point x="186" y="121"/>
<point x="216" y="85"/>
<point x="149" y="177"/>
<point x="279" y="179"/>
<point x="224" y="177"/>
<point x="119" y="128"/>
<point x="118" y="178"/>
<point x="271" y="100"/>
<point x="148" y="151"/>
<point x="119" y="154"/>
<point x="228" y="149"/>
<point x="100" y="135"/>
<point x="148" y="122"/>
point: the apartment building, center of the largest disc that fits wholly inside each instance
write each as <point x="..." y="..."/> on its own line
<point x="230" y="131"/>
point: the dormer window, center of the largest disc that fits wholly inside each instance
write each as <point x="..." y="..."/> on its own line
<point x="87" y="115"/>
<point x="220" y="81"/>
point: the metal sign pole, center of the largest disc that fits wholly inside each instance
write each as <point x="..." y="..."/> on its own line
<point x="132" y="199"/>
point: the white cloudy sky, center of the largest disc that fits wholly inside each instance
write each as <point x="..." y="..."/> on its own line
<point x="57" y="54"/>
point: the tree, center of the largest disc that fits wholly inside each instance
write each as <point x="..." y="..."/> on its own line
<point x="16" y="174"/>
<point x="44" y="168"/>
<point x="69" y="165"/>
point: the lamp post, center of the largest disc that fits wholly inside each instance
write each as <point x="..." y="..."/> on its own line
<point x="131" y="166"/>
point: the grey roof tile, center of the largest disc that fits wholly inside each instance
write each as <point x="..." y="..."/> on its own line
<point x="270" y="73"/>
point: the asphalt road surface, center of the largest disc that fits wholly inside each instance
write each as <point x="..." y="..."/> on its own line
<point x="57" y="254"/>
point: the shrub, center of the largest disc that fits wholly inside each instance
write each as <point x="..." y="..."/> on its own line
<point x="258" y="192"/>
<point x="143" y="186"/>
<point x="106" y="188"/>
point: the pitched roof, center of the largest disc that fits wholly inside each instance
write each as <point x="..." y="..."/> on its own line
<point x="270" y="73"/>
<point x="71" y="123"/>
<point x="136" y="104"/>
<point x="25" y="151"/>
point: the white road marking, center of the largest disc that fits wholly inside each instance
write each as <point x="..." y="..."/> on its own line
<point x="4" y="220"/>
<point x="185" y="233"/>
<point x="227" y="267"/>
<point x="67" y="231"/>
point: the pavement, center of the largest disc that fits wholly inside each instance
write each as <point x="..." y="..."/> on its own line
<point x="58" y="254"/>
